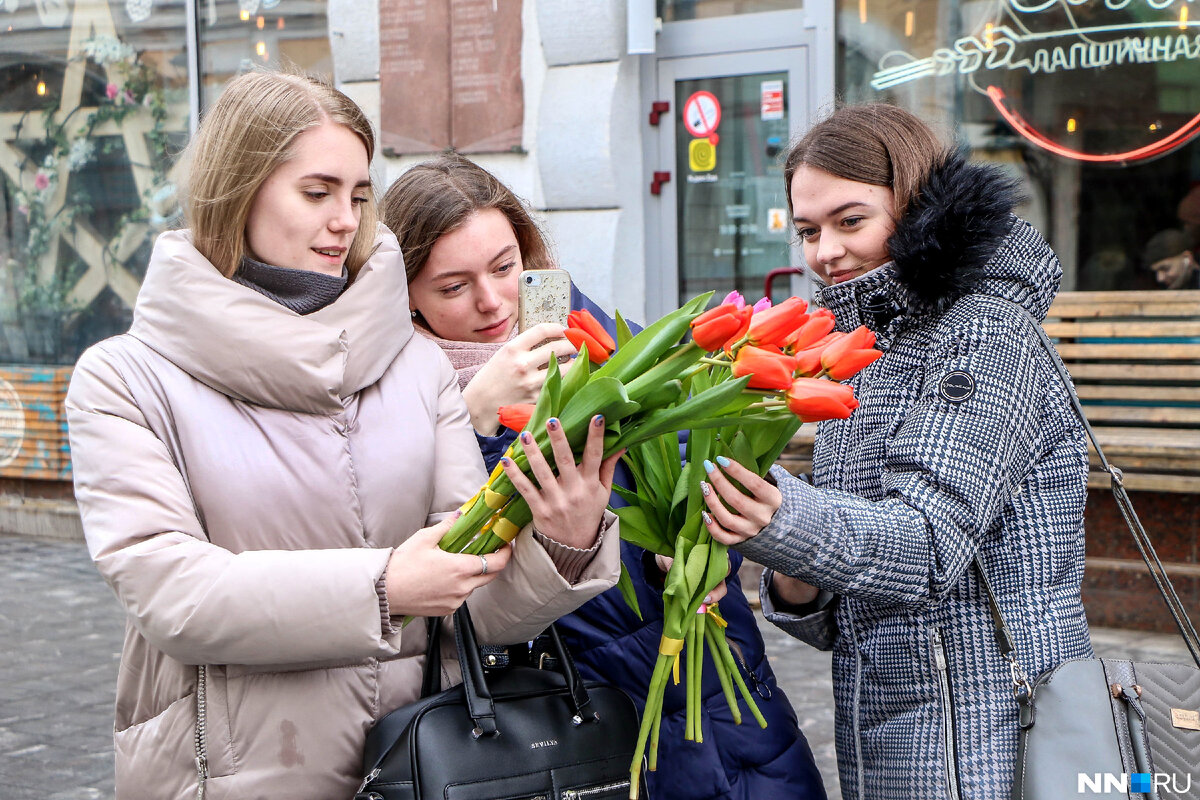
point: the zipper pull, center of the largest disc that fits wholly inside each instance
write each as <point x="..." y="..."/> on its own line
<point x="939" y="654"/>
<point x="372" y="775"/>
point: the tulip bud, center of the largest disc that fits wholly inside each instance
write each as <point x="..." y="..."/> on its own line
<point x="516" y="416"/>
<point x="816" y="399"/>
<point x="775" y="324"/>
<point x="718" y="326"/>
<point x="584" y="321"/>
<point x="767" y="368"/>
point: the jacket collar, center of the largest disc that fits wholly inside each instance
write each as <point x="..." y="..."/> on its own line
<point x="958" y="237"/>
<point x="244" y="345"/>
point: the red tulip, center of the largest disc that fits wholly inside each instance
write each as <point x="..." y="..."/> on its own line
<point x="837" y="357"/>
<point x="808" y="360"/>
<point x="516" y="416"/>
<point x="767" y="368"/>
<point x="584" y="321"/>
<point x="597" y="354"/>
<point x="777" y="323"/>
<point x="816" y="399"/>
<point x="849" y="364"/>
<point x="720" y="326"/>
<point x="820" y="322"/>
<point x="583" y="328"/>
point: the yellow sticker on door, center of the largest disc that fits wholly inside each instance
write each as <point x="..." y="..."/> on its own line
<point x="702" y="155"/>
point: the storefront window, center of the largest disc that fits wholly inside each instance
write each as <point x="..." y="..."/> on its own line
<point x="94" y="112"/>
<point x="1093" y="103"/>
<point x="93" y="109"/>
<point x="237" y="35"/>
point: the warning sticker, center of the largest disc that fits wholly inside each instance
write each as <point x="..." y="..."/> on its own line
<point x="772" y="99"/>
<point x="702" y="156"/>
<point x="701" y="114"/>
<point x="776" y="220"/>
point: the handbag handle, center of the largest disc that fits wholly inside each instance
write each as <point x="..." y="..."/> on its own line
<point x="478" y="695"/>
<point x="1161" y="581"/>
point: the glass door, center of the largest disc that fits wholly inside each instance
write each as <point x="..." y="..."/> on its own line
<point x="722" y="218"/>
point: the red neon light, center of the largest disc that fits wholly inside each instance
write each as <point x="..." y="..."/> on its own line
<point x="1179" y="137"/>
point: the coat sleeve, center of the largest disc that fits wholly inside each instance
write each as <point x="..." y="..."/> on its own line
<point x="950" y="469"/>
<point x="530" y="593"/>
<point x="197" y="602"/>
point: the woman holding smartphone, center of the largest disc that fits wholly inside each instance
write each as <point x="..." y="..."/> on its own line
<point x="466" y="239"/>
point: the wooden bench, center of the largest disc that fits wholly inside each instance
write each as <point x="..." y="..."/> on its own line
<point x="1135" y="360"/>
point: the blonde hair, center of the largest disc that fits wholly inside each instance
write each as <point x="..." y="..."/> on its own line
<point x="874" y="143"/>
<point x="243" y="138"/>
<point x="440" y="195"/>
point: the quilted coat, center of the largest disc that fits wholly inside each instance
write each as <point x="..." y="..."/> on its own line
<point x="964" y="443"/>
<point x="609" y="643"/>
<point x="243" y="474"/>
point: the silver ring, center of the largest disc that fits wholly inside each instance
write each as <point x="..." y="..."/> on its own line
<point x="484" y="560"/>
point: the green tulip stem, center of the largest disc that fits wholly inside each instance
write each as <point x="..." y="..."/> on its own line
<point x="715" y="362"/>
<point x="727" y="654"/>
<point x="653" y="711"/>
<point x="768" y="404"/>
<point x="710" y="636"/>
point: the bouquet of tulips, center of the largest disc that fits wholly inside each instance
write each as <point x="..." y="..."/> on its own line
<point x="742" y="384"/>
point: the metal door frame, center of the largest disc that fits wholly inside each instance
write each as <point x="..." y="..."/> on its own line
<point x="800" y="43"/>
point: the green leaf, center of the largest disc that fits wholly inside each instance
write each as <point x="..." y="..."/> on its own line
<point x="664" y="395"/>
<point x="688" y="414"/>
<point x="637" y="529"/>
<point x="624" y="334"/>
<point x="547" y="400"/>
<point x="625" y="584"/>
<point x="628" y="495"/>
<point x="743" y="453"/>
<point x="576" y="377"/>
<point x="786" y="431"/>
<point x="645" y="349"/>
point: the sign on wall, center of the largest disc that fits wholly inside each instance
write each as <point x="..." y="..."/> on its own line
<point x="450" y="76"/>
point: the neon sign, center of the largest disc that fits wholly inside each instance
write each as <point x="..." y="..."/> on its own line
<point x="1011" y="44"/>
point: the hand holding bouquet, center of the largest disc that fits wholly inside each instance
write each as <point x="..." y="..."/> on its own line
<point x="742" y="386"/>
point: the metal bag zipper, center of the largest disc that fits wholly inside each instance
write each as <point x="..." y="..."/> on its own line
<point x="579" y="794"/>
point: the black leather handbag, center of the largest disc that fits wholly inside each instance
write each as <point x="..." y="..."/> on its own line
<point x="1101" y="727"/>
<point x="516" y="733"/>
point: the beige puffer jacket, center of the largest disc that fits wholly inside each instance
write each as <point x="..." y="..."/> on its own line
<point x="243" y="473"/>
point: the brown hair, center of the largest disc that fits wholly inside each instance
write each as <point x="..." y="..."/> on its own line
<point x="440" y="195"/>
<point x="243" y="138"/>
<point x="877" y="143"/>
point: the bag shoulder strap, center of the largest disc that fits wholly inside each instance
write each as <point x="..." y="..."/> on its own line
<point x="1161" y="581"/>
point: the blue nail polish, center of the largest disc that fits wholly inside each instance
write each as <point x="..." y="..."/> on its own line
<point x="552" y="423"/>
<point x="526" y="437"/>
<point x="709" y="466"/>
<point x="598" y="420"/>
<point x="505" y="460"/>
<point x="723" y="461"/>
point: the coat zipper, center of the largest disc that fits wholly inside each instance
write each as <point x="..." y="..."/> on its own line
<point x="201" y="729"/>
<point x="579" y="794"/>
<point x="951" y="749"/>
<point x="858" y="764"/>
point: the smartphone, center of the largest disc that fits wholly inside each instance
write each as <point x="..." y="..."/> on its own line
<point x="544" y="295"/>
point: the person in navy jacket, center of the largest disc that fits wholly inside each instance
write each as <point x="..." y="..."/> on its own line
<point x="465" y="239"/>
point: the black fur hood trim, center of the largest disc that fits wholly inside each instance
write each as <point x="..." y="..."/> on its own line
<point x="951" y="230"/>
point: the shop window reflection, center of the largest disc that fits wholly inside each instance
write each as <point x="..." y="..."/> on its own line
<point x="678" y="10"/>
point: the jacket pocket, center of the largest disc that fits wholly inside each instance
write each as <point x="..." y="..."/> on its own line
<point x="946" y="696"/>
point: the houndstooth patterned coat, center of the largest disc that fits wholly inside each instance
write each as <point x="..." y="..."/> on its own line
<point x="964" y="443"/>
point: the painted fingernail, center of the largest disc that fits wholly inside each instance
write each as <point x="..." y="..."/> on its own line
<point x="703" y="609"/>
<point x="598" y="420"/>
<point x="705" y="489"/>
<point x="708" y="466"/>
<point x="723" y="461"/>
<point x="505" y="460"/>
<point x="552" y="424"/>
<point x="704" y="515"/>
<point x="526" y="437"/>
<point x="708" y="600"/>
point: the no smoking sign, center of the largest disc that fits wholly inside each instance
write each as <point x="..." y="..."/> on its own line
<point x="701" y="114"/>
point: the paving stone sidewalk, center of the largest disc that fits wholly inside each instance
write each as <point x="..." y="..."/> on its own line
<point x="60" y="640"/>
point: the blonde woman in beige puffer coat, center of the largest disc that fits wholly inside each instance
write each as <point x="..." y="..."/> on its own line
<point x="265" y="462"/>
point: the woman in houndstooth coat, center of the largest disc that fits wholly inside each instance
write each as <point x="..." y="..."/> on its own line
<point x="964" y="445"/>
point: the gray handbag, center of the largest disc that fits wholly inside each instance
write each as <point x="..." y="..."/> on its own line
<point x="1100" y="727"/>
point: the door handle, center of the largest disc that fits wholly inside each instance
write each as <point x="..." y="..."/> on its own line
<point x="659" y="179"/>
